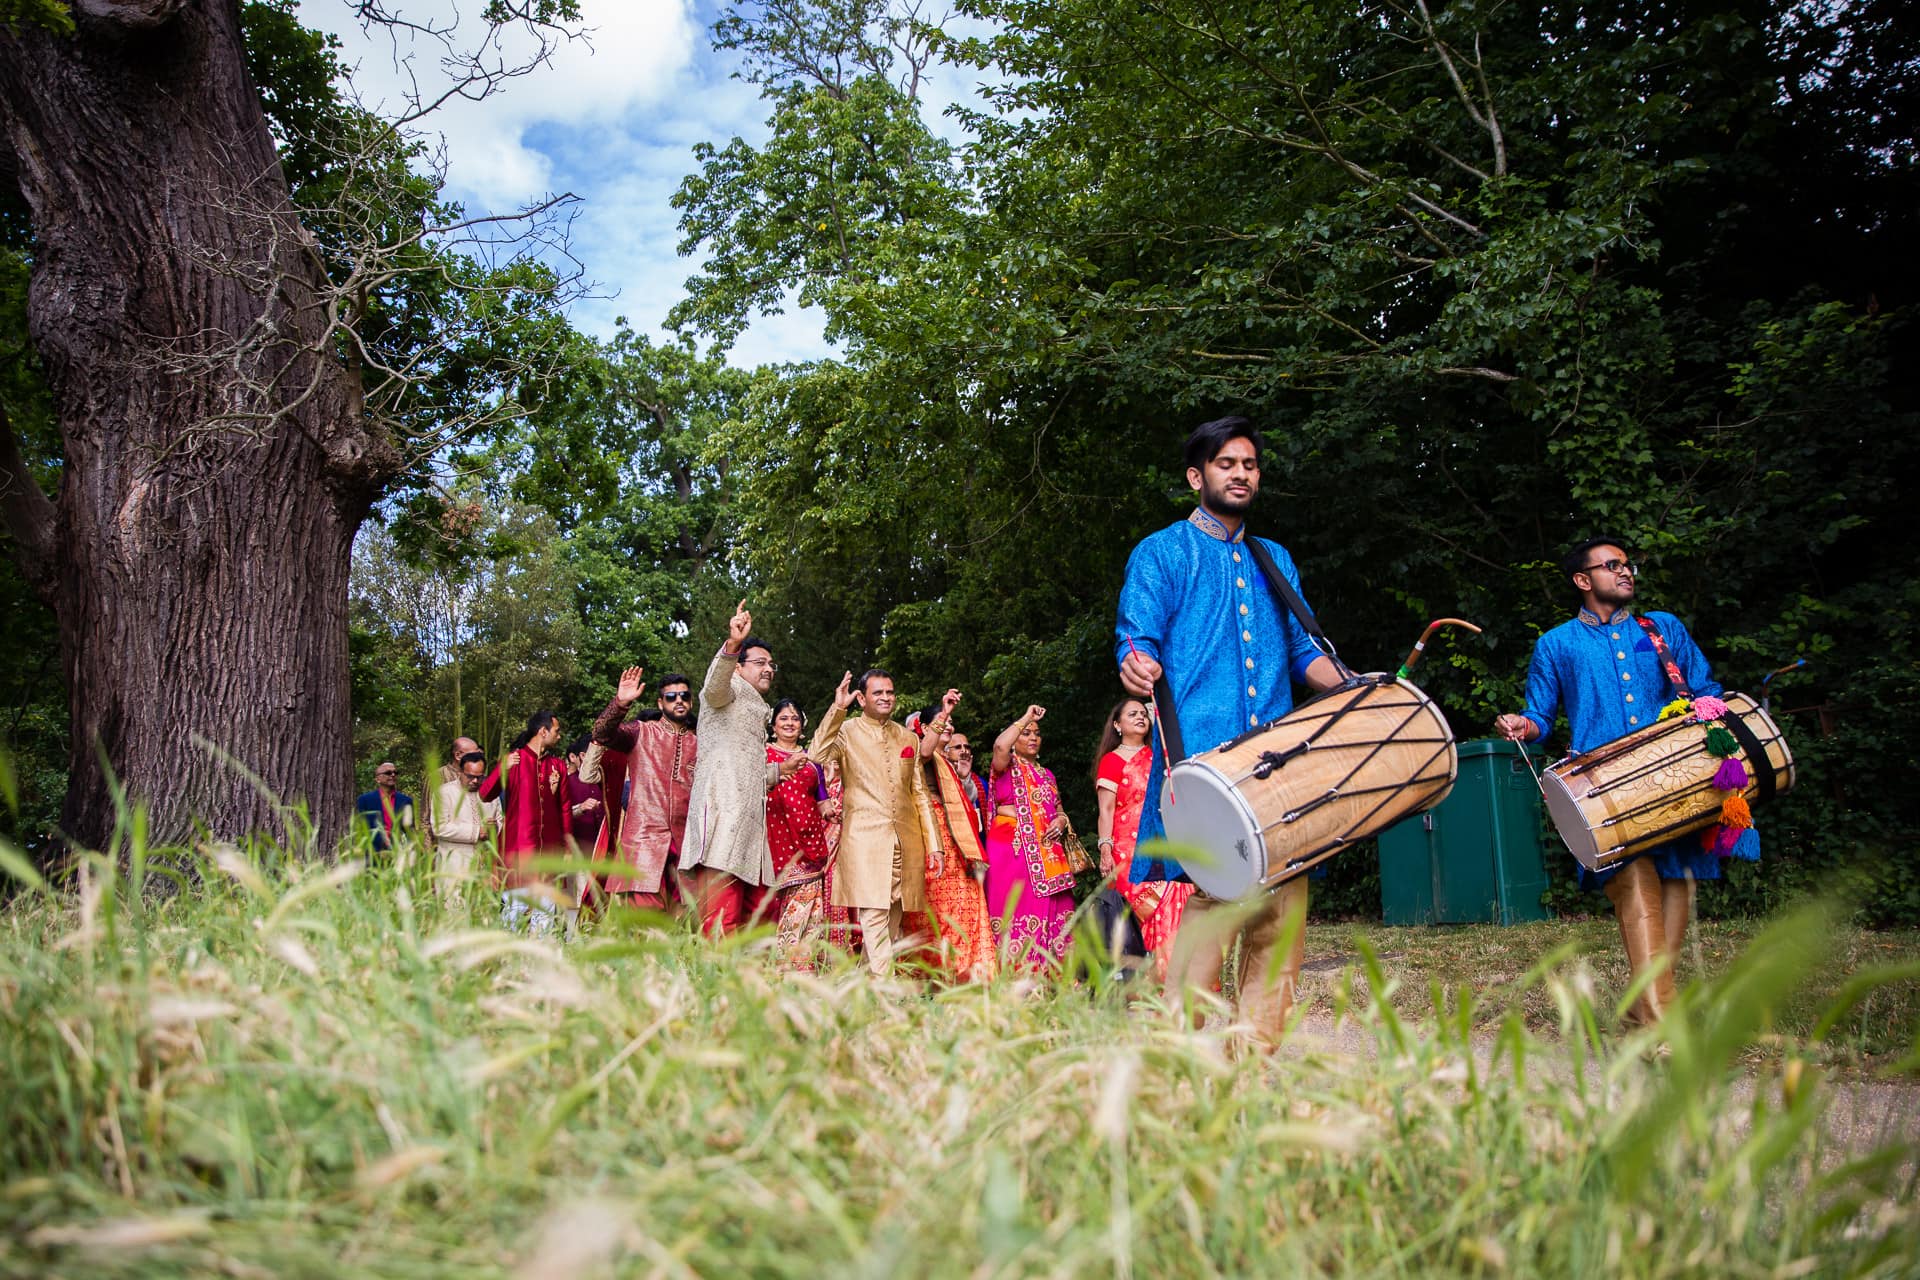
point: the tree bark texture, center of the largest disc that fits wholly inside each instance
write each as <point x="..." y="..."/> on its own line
<point x="217" y="459"/>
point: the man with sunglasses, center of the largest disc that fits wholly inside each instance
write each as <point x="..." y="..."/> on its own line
<point x="385" y="809"/>
<point x="727" y="854"/>
<point x="660" y="746"/>
<point x="1604" y="668"/>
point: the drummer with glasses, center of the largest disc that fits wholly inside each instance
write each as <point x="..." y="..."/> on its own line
<point x="1603" y="668"/>
<point x="1195" y="608"/>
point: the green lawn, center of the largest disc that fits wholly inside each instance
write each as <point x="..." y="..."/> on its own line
<point x="309" y="1073"/>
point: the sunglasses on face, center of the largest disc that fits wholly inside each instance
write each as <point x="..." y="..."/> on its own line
<point x="682" y="696"/>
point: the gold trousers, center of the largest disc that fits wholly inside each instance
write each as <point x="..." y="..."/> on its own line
<point x="1653" y="915"/>
<point x="1269" y="974"/>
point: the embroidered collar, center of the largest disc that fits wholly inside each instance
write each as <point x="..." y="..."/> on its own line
<point x="1592" y="619"/>
<point x="1208" y="523"/>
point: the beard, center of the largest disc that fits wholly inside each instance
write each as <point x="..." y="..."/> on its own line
<point x="680" y="713"/>
<point x="1219" y="500"/>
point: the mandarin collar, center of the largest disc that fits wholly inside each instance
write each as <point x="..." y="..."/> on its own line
<point x="1592" y="619"/>
<point x="1211" y="525"/>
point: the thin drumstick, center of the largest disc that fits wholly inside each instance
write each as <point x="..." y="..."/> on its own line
<point x="1153" y="710"/>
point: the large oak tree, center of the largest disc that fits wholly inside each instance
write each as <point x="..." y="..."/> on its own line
<point x="212" y="387"/>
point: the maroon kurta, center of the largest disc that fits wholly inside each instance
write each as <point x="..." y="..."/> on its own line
<point x="660" y="759"/>
<point x="535" y="814"/>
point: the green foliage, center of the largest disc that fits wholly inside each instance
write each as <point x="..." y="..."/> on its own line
<point x="52" y="15"/>
<point x="1495" y="280"/>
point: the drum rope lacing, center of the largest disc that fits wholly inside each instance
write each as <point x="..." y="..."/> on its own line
<point x="1272" y="760"/>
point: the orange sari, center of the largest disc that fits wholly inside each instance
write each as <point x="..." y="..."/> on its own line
<point x="956" y="915"/>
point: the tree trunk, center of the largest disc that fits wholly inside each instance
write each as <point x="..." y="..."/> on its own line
<point x="217" y="459"/>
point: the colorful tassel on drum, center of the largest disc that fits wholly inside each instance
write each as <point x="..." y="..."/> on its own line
<point x="1708" y="707"/>
<point x="1678" y="707"/>
<point x="1730" y="776"/>
<point x="1734" y="812"/>
<point x="1733" y="835"/>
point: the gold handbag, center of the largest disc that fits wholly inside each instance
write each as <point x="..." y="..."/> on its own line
<point x="1077" y="859"/>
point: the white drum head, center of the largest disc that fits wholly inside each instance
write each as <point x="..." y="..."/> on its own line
<point x="1203" y="811"/>
<point x="1581" y="840"/>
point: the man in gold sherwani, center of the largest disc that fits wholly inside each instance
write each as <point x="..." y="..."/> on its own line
<point x="881" y="863"/>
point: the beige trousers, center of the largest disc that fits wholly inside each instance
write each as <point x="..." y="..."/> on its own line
<point x="455" y="867"/>
<point x="880" y="928"/>
<point x="1269" y="977"/>
<point x="1653" y="915"/>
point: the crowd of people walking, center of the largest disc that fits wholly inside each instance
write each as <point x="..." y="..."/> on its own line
<point x="874" y="837"/>
<point x="877" y="836"/>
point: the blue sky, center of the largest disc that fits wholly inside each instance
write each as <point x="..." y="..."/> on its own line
<point x="614" y="120"/>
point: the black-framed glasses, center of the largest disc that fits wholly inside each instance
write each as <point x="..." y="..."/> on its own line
<point x="768" y="663"/>
<point x="1631" y="568"/>
<point x="685" y="695"/>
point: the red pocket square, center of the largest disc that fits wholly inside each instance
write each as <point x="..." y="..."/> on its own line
<point x="906" y="753"/>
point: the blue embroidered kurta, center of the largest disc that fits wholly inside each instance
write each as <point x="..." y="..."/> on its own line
<point x="1194" y="601"/>
<point x="1608" y="679"/>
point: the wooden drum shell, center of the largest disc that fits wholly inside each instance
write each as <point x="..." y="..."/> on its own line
<point x="1654" y="785"/>
<point x="1356" y="760"/>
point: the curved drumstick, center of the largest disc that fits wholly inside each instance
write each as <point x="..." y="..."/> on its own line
<point x="1420" y="645"/>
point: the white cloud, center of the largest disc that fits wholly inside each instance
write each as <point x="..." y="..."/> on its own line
<point x="614" y="120"/>
<point x="630" y="57"/>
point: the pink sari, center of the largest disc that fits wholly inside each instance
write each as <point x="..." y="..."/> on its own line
<point x="1029" y="884"/>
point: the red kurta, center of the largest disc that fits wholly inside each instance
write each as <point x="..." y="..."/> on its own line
<point x="534" y="817"/>
<point x="660" y="759"/>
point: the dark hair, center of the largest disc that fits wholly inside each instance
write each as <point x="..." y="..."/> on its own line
<point x="536" y="722"/>
<point x="780" y="706"/>
<point x="932" y="709"/>
<point x="860" y="685"/>
<point x="1109" y="735"/>
<point x="1209" y="438"/>
<point x="669" y="680"/>
<point x="1575" y="561"/>
<point x="754" y="642"/>
<point x="578" y="747"/>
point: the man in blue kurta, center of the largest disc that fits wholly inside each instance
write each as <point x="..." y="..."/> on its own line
<point x="1602" y="669"/>
<point x="1195" y="608"/>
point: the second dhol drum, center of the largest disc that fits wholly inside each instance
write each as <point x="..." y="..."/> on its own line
<point x="1656" y="784"/>
<point x="1283" y="798"/>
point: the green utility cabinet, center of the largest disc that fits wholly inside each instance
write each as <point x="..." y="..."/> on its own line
<point x="1477" y="857"/>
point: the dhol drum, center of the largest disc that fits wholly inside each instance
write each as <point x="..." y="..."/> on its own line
<point x="1281" y="799"/>
<point x="1626" y="796"/>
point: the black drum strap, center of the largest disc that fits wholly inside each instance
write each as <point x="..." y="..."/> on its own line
<point x="1290" y="599"/>
<point x="1169" y="719"/>
<point x="1743" y="734"/>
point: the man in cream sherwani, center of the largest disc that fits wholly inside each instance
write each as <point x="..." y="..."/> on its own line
<point x="881" y="864"/>
<point x="726" y="851"/>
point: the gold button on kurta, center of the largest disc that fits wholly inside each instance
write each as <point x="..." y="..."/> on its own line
<point x="882" y="789"/>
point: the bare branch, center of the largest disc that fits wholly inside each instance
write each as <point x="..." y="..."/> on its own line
<point x="1487" y="120"/>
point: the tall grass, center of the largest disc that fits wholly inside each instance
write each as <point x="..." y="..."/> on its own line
<point x="308" y="1068"/>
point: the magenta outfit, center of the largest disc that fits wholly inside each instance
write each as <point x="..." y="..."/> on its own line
<point x="1035" y="931"/>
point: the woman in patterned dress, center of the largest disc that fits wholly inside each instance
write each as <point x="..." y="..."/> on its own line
<point x="1029" y="882"/>
<point x="960" y="935"/>
<point x="799" y="809"/>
